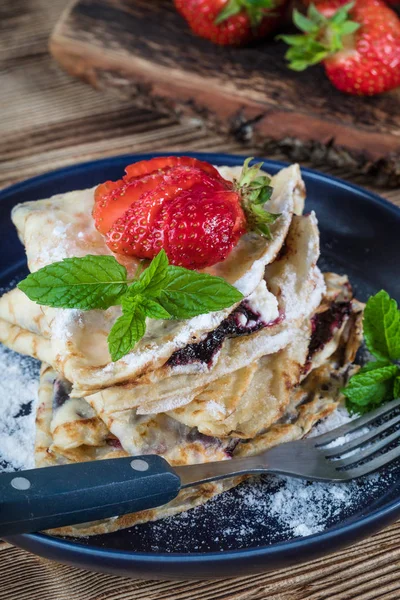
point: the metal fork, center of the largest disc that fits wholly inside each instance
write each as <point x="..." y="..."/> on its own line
<point x="310" y="458"/>
<point x="81" y="492"/>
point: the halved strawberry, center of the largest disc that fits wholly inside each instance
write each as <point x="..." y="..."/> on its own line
<point x="140" y="230"/>
<point x="202" y="226"/>
<point x="163" y="163"/>
<point x="184" y="206"/>
<point x="113" y="198"/>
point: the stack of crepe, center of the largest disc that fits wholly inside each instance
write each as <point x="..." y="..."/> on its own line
<point x="221" y="385"/>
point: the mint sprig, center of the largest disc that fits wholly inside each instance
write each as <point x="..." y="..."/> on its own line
<point x="378" y="381"/>
<point x="162" y="291"/>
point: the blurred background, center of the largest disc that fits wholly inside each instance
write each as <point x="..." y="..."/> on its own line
<point x="96" y="78"/>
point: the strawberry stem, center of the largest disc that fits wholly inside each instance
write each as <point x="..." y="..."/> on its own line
<point x="255" y="9"/>
<point x="255" y="192"/>
<point x="321" y="37"/>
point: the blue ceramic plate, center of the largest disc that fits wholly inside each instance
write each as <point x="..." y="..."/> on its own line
<point x="241" y="532"/>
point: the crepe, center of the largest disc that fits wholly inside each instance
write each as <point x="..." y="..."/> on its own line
<point x="247" y="401"/>
<point x="317" y="397"/>
<point x="295" y="277"/>
<point x="77" y="341"/>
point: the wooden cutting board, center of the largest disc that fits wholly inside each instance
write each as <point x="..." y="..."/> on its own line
<point x="144" y="50"/>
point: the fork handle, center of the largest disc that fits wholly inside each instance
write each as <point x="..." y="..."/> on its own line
<point x="77" y="493"/>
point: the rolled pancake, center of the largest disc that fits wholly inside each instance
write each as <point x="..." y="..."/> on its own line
<point x="169" y="387"/>
<point x="249" y="401"/>
<point x="63" y="227"/>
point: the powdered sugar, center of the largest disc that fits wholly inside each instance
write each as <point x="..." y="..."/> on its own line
<point x="267" y="510"/>
<point x="18" y="394"/>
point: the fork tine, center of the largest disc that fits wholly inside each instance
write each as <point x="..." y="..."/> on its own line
<point x="360" y="440"/>
<point x="372" y="465"/>
<point x="330" y="436"/>
<point x="368" y="451"/>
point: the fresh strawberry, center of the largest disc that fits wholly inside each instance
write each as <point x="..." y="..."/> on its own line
<point x="113" y="198"/>
<point x="187" y="208"/>
<point x="140" y="230"/>
<point x="232" y="22"/>
<point x="361" y="56"/>
<point x="164" y="163"/>
<point x="202" y="226"/>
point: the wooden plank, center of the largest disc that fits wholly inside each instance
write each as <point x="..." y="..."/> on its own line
<point x="369" y="570"/>
<point x="145" y="51"/>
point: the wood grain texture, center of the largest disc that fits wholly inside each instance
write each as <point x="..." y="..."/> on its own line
<point x="49" y="120"/>
<point x="369" y="570"/>
<point x="144" y="50"/>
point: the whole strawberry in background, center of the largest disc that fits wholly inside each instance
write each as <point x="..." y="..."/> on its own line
<point x="184" y="206"/>
<point x="358" y="44"/>
<point x="232" y="22"/>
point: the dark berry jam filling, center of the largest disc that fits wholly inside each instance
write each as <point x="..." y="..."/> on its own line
<point x="114" y="443"/>
<point x="242" y="321"/>
<point x="323" y="325"/>
<point x="61" y="391"/>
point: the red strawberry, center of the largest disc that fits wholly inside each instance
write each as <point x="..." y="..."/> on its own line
<point x="202" y="226"/>
<point x="232" y="22"/>
<point x="140" y="230"/>
<point x="187" y="208"/>
<point x="113" y="198"/>
<point x="361" y="56"/>
<point x="163" y="163"/>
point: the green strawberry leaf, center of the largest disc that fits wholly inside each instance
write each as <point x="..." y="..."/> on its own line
<point x="382" y="326"/>
<point x="370" y="387"/>
<point x="91" y="282"/>
<point x="255" y="9"/>
<point x="321" y="37"/>
<point x="127" y="331"/>
<point x="189" y="293"/>
<point x="306" y="24"/>
<point x="255" y="192"/>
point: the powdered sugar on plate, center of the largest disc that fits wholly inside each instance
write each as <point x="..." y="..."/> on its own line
<point x="266" y="510"/>
<point x="19" y="376"/>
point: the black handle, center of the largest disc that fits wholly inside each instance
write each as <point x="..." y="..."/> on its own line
<point x="70" y="494"/>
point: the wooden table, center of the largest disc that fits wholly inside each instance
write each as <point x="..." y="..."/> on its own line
<point x="49" y="120"/>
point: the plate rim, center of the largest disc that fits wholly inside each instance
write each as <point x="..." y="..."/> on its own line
<point x="341" y="533"/>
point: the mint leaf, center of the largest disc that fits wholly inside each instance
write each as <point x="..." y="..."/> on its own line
<point x="152" y="280"/>
<point x="371" y="386"/>
<point x="396" y="387"/>
<point x="127" y="331"/>
<point x="86" y="283"/>
<point x="382" y="326"/>
<point x="154" y="310"/>
<point x="189" y="293"/>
